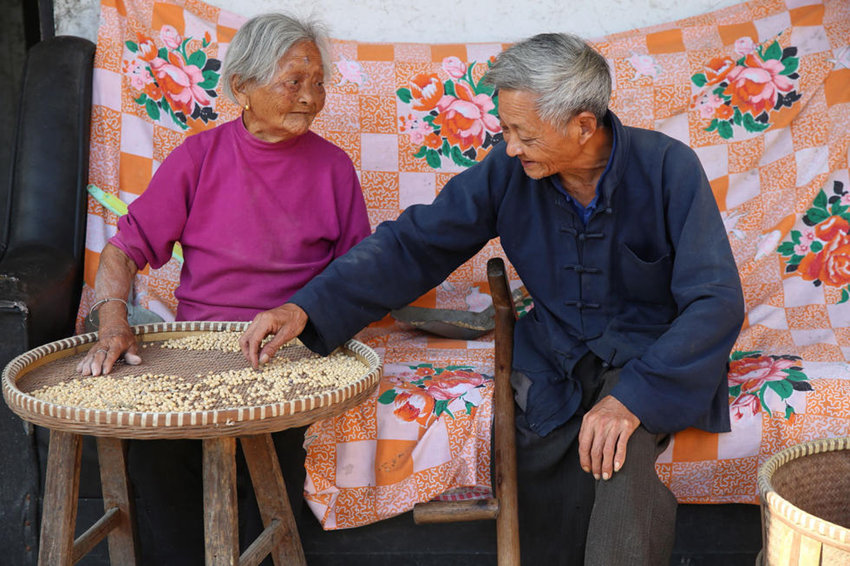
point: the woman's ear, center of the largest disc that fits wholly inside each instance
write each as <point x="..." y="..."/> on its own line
<point x="239" y="91"/>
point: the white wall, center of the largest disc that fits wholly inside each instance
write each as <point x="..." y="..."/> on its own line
<point x="439" y="21"/>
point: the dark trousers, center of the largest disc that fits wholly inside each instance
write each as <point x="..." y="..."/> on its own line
<point x="569" y="519"/>
<point x="166" y="476"/>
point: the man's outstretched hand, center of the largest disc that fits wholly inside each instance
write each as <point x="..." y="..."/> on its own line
<point x="605" y="432"/>
<point x="285" y="322"/>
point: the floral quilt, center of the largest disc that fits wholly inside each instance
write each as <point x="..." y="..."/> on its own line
<point x="760" y="90"/>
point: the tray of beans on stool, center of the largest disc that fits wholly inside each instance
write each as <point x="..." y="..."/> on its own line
<point x="193" y="382"/>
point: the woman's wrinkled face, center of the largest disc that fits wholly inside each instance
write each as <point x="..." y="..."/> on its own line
<point x="285" y="107"/>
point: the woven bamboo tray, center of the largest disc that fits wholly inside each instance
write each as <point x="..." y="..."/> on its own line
<point x="805" y="502"/>
<point x="27" y="372"/>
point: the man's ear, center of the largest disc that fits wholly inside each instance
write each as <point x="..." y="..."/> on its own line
<point x="587" y="125"/>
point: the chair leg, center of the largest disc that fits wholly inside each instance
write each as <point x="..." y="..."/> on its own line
<point x="504" y="431"/>
<point x="122" y="541"/>
<point x="60" y="499"/>
<point x="272" y="498"/>
<point x="221" y="527"/>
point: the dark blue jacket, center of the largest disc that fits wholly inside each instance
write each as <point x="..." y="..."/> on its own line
<point x="649" y="284"/>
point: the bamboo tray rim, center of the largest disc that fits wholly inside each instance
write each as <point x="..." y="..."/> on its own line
<point x="237" y="421"/>
<point x="776" y="507"/>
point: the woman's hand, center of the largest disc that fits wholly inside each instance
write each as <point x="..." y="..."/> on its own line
<point x="114" y="339"/>
<point x="285" y="322"/>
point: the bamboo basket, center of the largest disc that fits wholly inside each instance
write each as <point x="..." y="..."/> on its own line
<point x="805" y="504"/>
<point x="301" y="410"/>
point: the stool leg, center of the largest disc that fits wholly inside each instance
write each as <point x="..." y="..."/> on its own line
<point x="123" y="541"/>
<point x="60" y="499"/>
<point x="221" y="527"/>
<point x="272" y="498"/>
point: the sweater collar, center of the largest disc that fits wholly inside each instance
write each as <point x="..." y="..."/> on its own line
<point x="261" y="145"/>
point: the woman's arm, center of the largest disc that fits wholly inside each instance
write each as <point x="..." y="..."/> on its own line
<point x="114" y="280"/>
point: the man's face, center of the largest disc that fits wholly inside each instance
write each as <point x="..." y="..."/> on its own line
<point x="542" y="149"/>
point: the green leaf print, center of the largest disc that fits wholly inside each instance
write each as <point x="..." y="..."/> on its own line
<point x="404" y="95"/>
<point x="387" y="397"/>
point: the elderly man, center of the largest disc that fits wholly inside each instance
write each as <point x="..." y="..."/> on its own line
<point x="616" y="234"/>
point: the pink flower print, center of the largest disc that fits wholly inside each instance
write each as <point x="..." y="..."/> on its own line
<point x="744" y="46"/>
<point x="754" y="87"/>
<point x="801" y="249"/>
<point x="463" y="120"/>
<point x="351" y="71"/>
<point x="454" y="67"/>
<point x="170" y="37"/>
<point x="454" y="384"/>
<point x="179" y="83"/>
<point x="809" y="235"/>
<point x="845" y="198"/>
<point x="752" y="373"/>
<point x="746" y="405"/>
<point x="418" y="130"/>
<point x="138" y="73"/>
<point x="644" y="65"/>
<point x="708" y="104"/>
<point x="478" y="301"/>
<point x="730" y="221"/>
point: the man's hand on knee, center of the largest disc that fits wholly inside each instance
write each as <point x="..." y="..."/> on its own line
<point x="604" y="435"/>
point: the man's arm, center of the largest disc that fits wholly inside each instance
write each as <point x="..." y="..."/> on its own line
<point x="673" y="383"/>
<point x="676" y="378"/>
<point x="392" y="267"/>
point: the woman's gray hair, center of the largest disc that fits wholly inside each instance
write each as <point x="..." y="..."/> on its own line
<point x="567" y="74"/>
<point x="260" y="43"/>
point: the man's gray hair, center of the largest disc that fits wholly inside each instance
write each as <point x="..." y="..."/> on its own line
<point x="260" y="43"/>
<point x="567" y="74"/>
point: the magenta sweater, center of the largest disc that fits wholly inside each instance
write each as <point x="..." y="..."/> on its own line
<point x="256" y="220"/>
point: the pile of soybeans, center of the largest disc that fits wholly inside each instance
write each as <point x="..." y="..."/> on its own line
<point x="293" y="373"/>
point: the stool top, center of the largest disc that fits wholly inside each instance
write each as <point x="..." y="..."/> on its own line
<point x="257" y="405"/>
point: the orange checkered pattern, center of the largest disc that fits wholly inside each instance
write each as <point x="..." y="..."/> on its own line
<point x="760" y="90"/>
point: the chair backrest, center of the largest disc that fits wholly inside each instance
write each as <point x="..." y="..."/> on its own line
<point x="503" y="506"/>
<point x="47" y="191"/>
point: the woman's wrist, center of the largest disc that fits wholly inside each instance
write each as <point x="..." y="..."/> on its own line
<point x="109" y="312"/>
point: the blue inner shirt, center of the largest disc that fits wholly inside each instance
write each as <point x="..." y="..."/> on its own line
<point x="585" y="212"/>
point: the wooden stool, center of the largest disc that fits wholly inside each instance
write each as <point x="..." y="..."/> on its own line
<point x="218" y="429"/>
<point x="279" y="538"/>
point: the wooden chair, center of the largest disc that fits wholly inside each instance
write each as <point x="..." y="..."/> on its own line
<point x="503" y="506"/>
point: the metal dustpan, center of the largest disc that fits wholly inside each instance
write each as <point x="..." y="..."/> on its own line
<point x="450" y="323"/>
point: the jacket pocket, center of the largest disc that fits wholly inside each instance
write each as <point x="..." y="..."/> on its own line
<point x="645" y="280"/>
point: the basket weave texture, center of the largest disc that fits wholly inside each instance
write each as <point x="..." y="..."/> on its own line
<point x="805" y="502"/>
<point x="303" y="409"/>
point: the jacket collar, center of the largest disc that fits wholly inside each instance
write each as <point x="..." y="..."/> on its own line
<point x="618" y="160"/>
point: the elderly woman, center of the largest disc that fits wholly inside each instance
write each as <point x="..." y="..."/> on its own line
<point x="615" y="232"/>
<point x="260" y="205"/>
